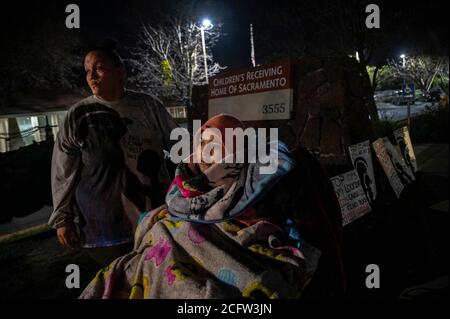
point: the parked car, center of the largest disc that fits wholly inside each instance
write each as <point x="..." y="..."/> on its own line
<point x="401" y="99"/>
<point x="434" y="95"/>
<point x="384" y="96"/>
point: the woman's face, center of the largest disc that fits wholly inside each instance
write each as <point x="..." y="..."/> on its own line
<point x="209" y="151"/>
<point x="104" y="78"/>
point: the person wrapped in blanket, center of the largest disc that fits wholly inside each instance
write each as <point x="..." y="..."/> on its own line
<point x="216" y="236"/>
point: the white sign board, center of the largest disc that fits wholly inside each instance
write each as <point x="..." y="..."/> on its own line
<point x="351" y="196"/>
<point x="398" y="173"/>
<point x="361" y="157"/>
<point x="261" y="93"/>
<point x="406" y="149"/>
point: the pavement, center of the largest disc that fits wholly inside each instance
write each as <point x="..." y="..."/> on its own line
<point x="432" y="158"/>
<point x="34" y="267"/>
<point x="433" y="162"/>
<point x="20" y="224"/>
<point x="391" y="112"/>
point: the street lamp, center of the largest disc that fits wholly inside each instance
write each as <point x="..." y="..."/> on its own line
<point x="403" y="57"/>
<point x="206" y="24"/>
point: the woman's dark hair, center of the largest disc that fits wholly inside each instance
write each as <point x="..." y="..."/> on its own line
<point x="109" y="47"/>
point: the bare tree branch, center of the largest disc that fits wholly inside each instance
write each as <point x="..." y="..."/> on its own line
<point x="168" y="60"/>
<point x="421" y="69"/>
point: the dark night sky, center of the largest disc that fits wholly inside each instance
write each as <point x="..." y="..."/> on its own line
<point x="427" y="22"/>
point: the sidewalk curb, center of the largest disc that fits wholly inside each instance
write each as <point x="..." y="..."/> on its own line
<point x="28" y="232"/>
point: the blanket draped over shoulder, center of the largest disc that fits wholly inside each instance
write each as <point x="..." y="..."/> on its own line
<point x="208" y="241"/>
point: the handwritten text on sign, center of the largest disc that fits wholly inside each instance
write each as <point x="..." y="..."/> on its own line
<point x="351" y="196"/>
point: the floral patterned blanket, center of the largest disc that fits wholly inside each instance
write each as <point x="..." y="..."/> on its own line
<point x="181" y="259"/>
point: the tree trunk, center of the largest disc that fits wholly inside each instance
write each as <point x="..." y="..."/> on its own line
<point x="374" y="79"/>
<point x="189" y="110"/>
<point x="371" y="105"/>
